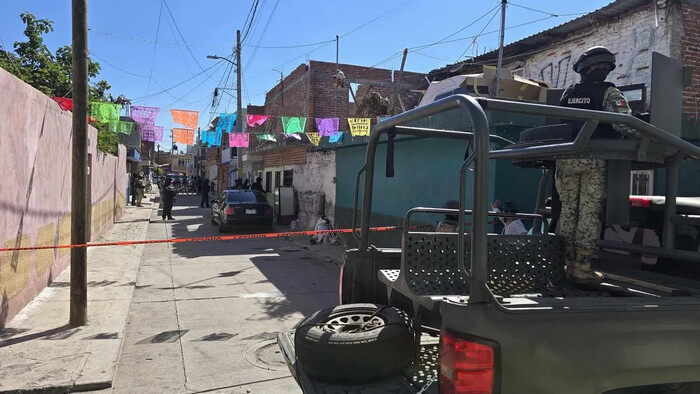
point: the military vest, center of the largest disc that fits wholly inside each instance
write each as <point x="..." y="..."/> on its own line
<point x="587" y="95"/>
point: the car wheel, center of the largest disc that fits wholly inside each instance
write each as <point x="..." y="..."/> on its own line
<point x="354" y="343"/>
<point x="222" y="227"/>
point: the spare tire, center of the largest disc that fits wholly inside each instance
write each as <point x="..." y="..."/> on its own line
<point x="354" y="343"/>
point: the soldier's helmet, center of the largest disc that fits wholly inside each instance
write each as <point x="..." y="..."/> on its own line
<point x="594" y="56"/>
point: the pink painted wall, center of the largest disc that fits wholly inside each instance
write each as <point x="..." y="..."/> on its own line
<point x="35" y="196"/>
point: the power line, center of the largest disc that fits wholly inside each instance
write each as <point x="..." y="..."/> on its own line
<point x="252" y="19"/>
<point x="184" y="58"/>
<point x="92" y="54"/>
<point x="380" y="16"/>
<point x="267" y="25"/>
<point x="477" y="36"/>
<point x="179" y="84"/>
<point x="155" y="46"/>
<point x="545" y="12"/>
<point x="289" y="46"/>
<point x="183" y="39"/>
<point x="458" y="31"/>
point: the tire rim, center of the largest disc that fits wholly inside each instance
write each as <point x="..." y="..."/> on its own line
<point x="353" y="322"/>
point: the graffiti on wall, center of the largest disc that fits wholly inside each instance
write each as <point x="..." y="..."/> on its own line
<point x="556" y="72"/>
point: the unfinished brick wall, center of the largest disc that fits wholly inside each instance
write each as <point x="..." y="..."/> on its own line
<point x="690" y="56"/>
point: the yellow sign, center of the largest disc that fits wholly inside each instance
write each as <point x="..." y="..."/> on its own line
<point x="359" y="126"/>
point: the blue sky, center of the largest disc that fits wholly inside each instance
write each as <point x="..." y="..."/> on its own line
<point x="373" y="33"/>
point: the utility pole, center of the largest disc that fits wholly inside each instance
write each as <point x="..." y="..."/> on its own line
<point x="497" y="93"/>
<point x="239" y="116"/>
<point x="397" y="95"/>
<point x="79" y="173"/>
<point x="337" y="47"/>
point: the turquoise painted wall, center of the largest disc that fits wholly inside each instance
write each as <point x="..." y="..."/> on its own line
<point x="426" y="174"/>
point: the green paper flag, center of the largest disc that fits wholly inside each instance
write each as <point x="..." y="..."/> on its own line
<point x="265" y="137"/>
<point x="121" y="127"/>
<point x="293" y="124"/>
<point x="105" y="112"/>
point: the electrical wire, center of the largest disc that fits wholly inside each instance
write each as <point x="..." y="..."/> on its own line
<point x="544" y="12"/>
<point x="443" y="40"/>
<point x="478" y="35"/>
<point x="380" y="16"/>
<point x="93" y="54"/>
<point x="262" y="35"/>
<point x="176" y="85"/>
<point x="183" y="39"/>
<point x="252" y="19"/>
<point x="184" y="58"/>
<point x="123" y="37"/>
<point x="155" y="46"/>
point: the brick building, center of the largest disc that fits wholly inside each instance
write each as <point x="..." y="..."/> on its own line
<point x="632" y="29"/>
<point x="308" y="91"/>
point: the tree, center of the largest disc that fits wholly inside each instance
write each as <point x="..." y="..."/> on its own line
<point x="52" y="74"/>
<point x="33" y="62"/>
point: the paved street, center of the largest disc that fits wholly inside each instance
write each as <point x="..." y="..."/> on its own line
<point x="204" y="315"/>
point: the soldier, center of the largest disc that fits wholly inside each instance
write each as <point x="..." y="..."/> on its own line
<point x="581" y="182"/>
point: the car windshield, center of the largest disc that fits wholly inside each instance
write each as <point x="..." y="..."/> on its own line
<point x="244" y="196"/>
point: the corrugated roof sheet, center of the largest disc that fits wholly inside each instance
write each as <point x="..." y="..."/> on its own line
<point x="609" y="12"/>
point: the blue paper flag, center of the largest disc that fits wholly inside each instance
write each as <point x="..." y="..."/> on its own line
<point x="336" y="137"/>
<point x="225" y="123"/>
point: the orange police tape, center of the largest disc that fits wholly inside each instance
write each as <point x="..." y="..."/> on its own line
<point x="204" y="239"/>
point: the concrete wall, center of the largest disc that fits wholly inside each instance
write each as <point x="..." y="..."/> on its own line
<point x="314" y="183"/>
<point x="35" y="199"/>
<point x="632" y="37"/>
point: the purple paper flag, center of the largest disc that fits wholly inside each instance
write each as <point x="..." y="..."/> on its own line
<point x="144" y="115"/>
<point x="151" y="133"/>
<point x="327" y="126"/>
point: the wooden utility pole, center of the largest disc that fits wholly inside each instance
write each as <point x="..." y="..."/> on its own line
<point x="397" y="94"/>
<point x="239" y="104"/>
<point x="497" y="93"/>
<point x="79" y="173"/>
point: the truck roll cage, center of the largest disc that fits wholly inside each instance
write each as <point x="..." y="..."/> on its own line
<point x="667" y="150"/>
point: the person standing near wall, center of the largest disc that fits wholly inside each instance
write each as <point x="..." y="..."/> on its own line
<point x="581" y="182"/>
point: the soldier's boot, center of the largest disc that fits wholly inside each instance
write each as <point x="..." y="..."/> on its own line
<point x="581" y="272"/>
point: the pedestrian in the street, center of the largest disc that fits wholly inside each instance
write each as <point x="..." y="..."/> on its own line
<point x="168" y="198"/>
<point x="257" y="185"/>
<point x="238" y="184"/>
<point x="140" y="189"/>
<point x="246" y="184"/>
<point x="133" y="188"/>
<point x="513" y="226"/>
<point x="205" y="194"/>
<point x="581" y="182"/>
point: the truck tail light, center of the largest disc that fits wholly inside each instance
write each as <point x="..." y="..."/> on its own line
<point x="268" y="210"/>
<point x="640" y="202"/>
<point x="466" y="366"/>
<point x="229" y="211"/>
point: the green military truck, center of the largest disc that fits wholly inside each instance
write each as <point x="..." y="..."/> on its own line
<point x="473" y="312"/>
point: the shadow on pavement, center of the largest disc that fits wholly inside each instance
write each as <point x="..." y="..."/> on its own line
<point x="61" y="332"/>
<point x="304" y="284"/>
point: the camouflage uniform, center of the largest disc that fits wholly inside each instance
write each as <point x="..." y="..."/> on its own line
<point x="581" y="186"/>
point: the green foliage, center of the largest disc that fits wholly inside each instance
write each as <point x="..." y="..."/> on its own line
<point x="33" y="62"/>
<point x="107" y="141"/>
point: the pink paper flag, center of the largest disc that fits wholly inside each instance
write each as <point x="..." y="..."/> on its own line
<point x="256" y="120"/>
<point x="239" y="140"/>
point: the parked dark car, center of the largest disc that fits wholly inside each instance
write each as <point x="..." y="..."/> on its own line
<point x="237" y="208"/>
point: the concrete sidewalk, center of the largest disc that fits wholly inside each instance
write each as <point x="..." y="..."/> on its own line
<point x="40" y="352"/>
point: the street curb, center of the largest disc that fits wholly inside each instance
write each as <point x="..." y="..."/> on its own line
<point x="62" y="389"/>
